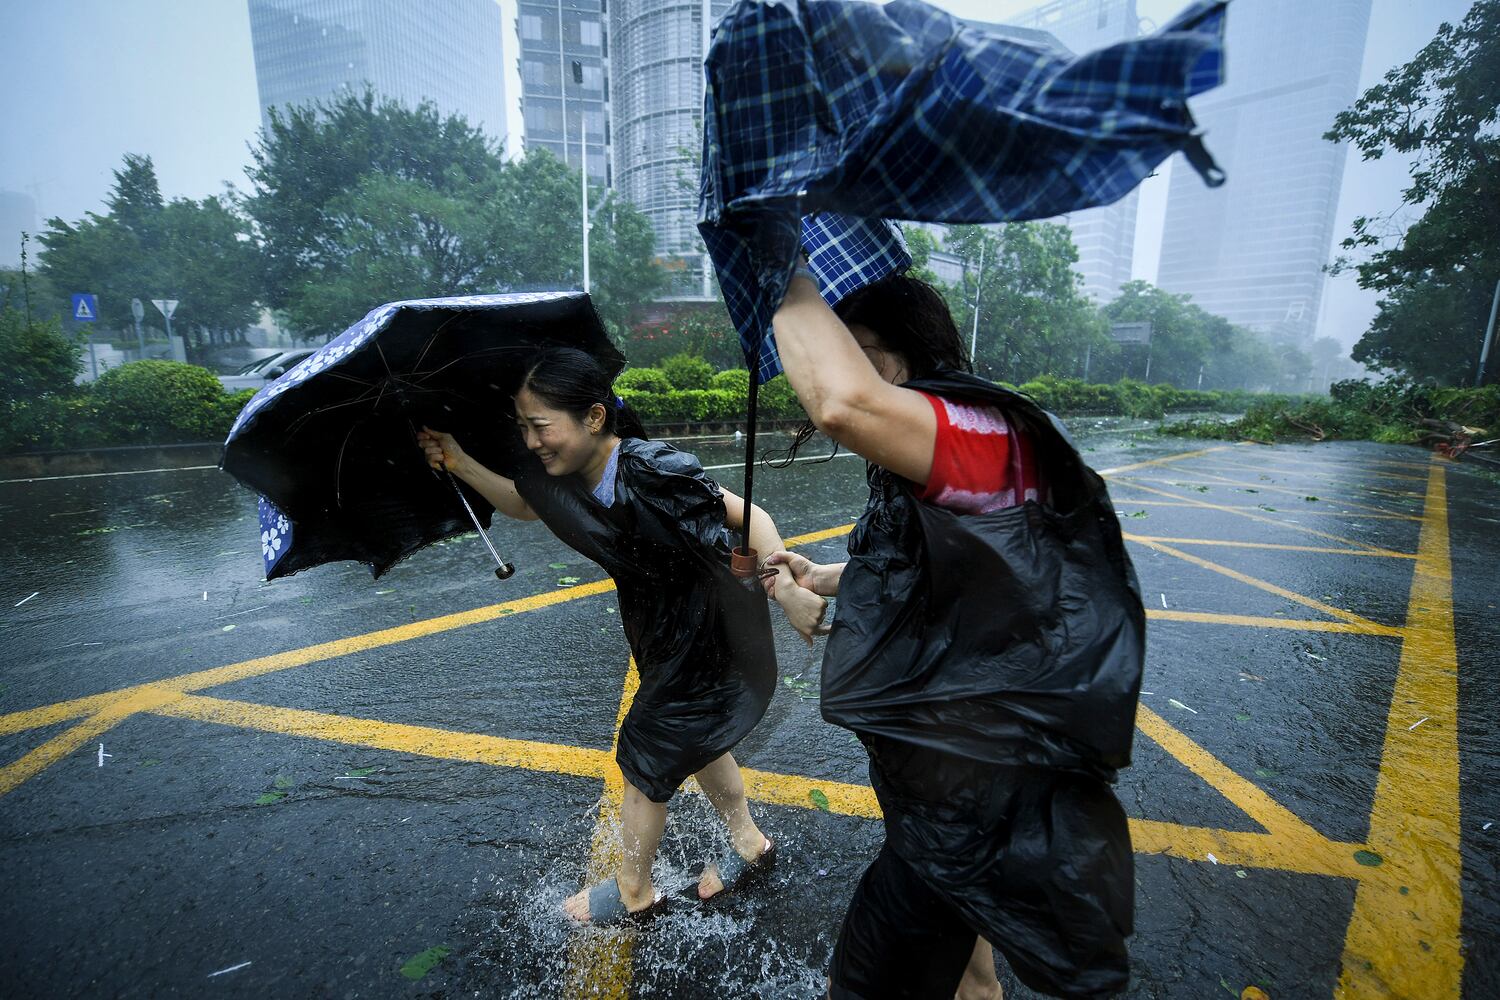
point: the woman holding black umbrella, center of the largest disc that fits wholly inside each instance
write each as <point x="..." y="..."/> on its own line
<point x="700" y="637"/>
<point x="987" y="652"/>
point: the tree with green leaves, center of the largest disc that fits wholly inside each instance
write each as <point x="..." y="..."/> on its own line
<point x="1033" y="316"/>
<point x="362" y="200"/>
<point x="141" y="246"/>
<point x="1437" y="275"/>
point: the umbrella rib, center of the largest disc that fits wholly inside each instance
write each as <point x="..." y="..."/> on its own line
<point x="467" y="357"/>
<point x="433" y="340"/>
<point x="296" y="425"/>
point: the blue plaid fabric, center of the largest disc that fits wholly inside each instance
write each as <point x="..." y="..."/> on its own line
<point x="903" y="112"/>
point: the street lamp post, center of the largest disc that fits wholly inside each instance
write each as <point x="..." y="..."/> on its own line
<point x="137" y="312"/>
<point x="978" y="284"/>
<point x="1489" y="336"/>
<point x="584" y="185"/>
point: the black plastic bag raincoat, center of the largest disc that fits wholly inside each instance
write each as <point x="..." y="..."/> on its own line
<point x="991" y="665"/>
<point x="701" y="638"/>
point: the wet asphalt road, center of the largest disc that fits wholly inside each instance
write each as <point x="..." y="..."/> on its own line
<point x="337" y="817"/>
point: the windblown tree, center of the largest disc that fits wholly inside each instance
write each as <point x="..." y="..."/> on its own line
<point x="1438" y="275"/>
<point x="363" y="201"/>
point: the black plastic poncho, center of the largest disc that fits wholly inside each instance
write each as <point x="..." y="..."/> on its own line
<point x="991" y="664"/>
<point x="701" y="638"/>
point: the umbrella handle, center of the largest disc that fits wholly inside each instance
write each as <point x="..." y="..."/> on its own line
<point x="503" y="569"/>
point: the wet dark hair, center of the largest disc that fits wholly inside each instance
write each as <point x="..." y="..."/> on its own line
<point x="567" y="379"/>
<point x="912" y="320"/>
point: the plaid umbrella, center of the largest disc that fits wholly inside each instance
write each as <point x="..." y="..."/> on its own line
<point x="903" y="112"/>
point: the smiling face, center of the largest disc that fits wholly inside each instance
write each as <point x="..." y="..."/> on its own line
<point x="565" y="444"/>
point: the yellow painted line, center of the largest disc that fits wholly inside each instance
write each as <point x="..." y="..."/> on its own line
<point x="1124" y="485"/>
<point x="1166" y="460"/>
<point x="1403" y="937"/>
<point x="1283" y="456"/>
<point x="65" y="711"/>
<point x="1251" y="800"/>
<point x="245" y="669"/>
<point x="425" y="741"/>
<point x="600" y="960"/>
<point x="1246" y="850"/>
<point x="796" y="791"/>
<point x="62" y="711"/>
<point x="1225" y="543"/>
<point x="1208" y="505"/>
<point x="29" y="766"/>
<point x="1324" y="474"/>
<point x="1262" y="487"/>
<point x="819" y="536"/>
<point x="1258" y="621"/>
<point x="1259" y="584"/>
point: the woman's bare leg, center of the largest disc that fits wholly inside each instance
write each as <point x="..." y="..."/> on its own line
<point x="980" y="981"/>
<point x="641" y="824"/>
<point x="722" y="783"/>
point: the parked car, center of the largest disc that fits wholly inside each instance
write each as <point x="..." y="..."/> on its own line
<point x="258" y="373"/>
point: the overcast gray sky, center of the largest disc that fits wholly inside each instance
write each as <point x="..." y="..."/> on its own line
<point x="94" y="79"/>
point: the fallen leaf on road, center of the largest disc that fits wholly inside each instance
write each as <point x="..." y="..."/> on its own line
<point x="817" y="798"/>
<point x="1369" y="859"/>
<point x="424" y="962"/>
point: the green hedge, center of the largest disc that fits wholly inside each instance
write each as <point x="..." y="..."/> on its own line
<point x="1129" y="398"/>
<point x="143" y="402"/>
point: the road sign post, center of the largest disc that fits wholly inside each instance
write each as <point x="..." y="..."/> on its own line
<point x="167" y="307"/>
<point x="86" y="310"/>
<point x="1134" y="333"/>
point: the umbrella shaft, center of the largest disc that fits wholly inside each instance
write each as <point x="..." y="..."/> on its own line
<point x="484" y="536"/>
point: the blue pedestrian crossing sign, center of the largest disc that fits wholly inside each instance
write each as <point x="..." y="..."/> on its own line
<point x="85" y="307"/>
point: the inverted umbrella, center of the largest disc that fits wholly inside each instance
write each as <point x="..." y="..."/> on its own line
<point x="330" y="446"/>
<point x="901" y="111"/>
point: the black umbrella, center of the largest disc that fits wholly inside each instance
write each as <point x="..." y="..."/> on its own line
<point x="331" y="444"/>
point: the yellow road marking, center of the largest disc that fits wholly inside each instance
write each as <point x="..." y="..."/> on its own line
<point x="1326" y="474"/>
<point x="1256" y="621"/>
<point x="1131" y="484"/>
<point x="1250" y="799"/>
<point x="600" y="961"/>
<point x="424" y="741"/>
<point x="55" y="749"/>
<point x="75" y="708"/>
<point x="1245" y="850"/>
<point x="1267" y="545"/>
<point x="1403" y="937"/>
<point x="1259" y="584"/>
<point x="1125" y="485"/>
<point x="198" y="680"/>
<point x="1213" y="480"/>
<point x="1165" y="460"/>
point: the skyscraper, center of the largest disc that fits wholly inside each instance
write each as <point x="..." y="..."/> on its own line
<point x="1105" y="236"/>
<point x="656" y="101"/>
<point x="1253" y="250"/>
<point x="564" y="65"/>
<point x="17" y="216"/>
<point x="448" y="53"/>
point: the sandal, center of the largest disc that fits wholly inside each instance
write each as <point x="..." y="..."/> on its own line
<point x="735" y="873"/>
<point x="607" y="909"/>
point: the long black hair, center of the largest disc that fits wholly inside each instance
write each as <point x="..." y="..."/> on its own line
<point x="912" y="320"/>
<point x="570" y="380"/>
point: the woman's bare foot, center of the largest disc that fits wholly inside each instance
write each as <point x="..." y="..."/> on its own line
<point x="576" y="906"/>
<point x="709" y="884"/>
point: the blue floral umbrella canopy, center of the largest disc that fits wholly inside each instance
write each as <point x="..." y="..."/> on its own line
<point x="330" y="445"/>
